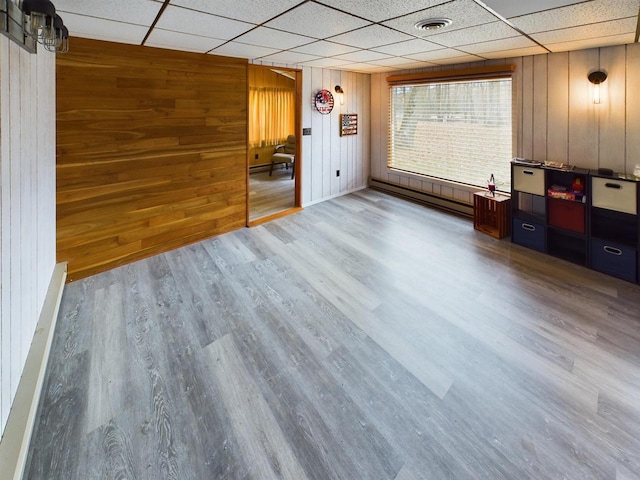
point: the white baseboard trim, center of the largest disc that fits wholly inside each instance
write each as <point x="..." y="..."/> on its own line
<point x="324" y="199"/>
<point x="14" y="446"/>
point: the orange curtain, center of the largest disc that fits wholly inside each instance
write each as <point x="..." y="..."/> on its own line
<point x="271" y="117"/>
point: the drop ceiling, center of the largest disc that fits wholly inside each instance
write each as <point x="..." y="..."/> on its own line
<point x="357" y="35"/>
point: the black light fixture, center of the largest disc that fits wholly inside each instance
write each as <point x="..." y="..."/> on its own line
<point x="340" y="93"/>
<point x="32" y="21"/>
<point x="597" y="77"/>
<point x="40" y="13"/>
<point x="56" y="41"/>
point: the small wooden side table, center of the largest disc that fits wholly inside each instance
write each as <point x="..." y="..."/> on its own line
<point x="491" y="214"/>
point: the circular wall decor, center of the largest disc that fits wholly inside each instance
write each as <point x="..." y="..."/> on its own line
<point x="324" y="102"/>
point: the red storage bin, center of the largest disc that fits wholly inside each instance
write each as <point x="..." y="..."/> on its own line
<point x="566" y="214"/>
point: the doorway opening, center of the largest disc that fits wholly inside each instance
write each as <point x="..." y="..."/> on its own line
<point x="274" y="149"/>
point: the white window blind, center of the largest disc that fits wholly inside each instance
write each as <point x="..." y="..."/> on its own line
<point x="453" y="130"/>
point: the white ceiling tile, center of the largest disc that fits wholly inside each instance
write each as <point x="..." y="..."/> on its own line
<point x="327" y="63"/>
<point x="99" y="29"/>
<point x="417" y="65"/>
<point x="291" y="58"/>
<point x="509" y="8"/>
<point x="476" y="34"/>
<point x="371" y="36"/>
<point x="398" y="62"/>
<point x="591" y="43"/>
<point x="253" y="11"/>
<point x="180" y="19"/>
<point x="436" y="55"/>
<point x="367" y="68"/>
<point x="324" y="48"/>
<point x="348" y="38"/>
<point x="139" y="12"/>
<point x="604" y="29"/>
<point x="181" y="41"/>
<point x="416" y="45"/>
<point x="455" y="60"/>
<point x="268" y="37"/>
<point x="316" y="21"/>
<point x="377" y="11"/>
<point x="582" y="14"/>
<point x="516" y="52"/>
<point x="499" y="45"/>
<point x="363" y="56"/>
<point x="463" y="13"/>
<point x="242" y="50"/>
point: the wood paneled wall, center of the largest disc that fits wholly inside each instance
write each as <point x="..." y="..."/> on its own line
<point x="325" y="151"/>
<point x="152" y="151"/>
<point x="27" y="205"/>
<point x="555" y="118"/>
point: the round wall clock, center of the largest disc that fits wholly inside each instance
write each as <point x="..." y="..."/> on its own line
<point x="324" y="102"/>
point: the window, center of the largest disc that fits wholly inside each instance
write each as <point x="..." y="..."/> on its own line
<point x="454" y="130"/>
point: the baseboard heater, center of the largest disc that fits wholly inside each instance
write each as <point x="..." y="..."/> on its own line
<point x="423" y="198"/>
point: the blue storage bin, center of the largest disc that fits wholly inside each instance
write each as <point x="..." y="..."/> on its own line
<point x="614" y="259"/>
<point x="528" y="234"/>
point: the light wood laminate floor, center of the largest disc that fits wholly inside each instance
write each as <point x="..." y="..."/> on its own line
<point x="271" y="194"/>
<point x="362" y="338"/>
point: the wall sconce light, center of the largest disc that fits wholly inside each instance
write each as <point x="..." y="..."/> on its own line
<point x="597" y="78"/>
<point x="33" y="21"/>
<point x="340" y="93"/>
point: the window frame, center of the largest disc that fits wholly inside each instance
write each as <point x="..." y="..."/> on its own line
<point x="491" y="72"/>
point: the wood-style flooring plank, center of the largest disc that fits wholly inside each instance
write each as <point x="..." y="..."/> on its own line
<point x="362" y="338"/>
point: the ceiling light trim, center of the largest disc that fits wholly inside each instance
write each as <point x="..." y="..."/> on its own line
<point x="433" y="24"/>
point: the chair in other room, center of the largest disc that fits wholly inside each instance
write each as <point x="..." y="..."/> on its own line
<point x="285" y="153"/>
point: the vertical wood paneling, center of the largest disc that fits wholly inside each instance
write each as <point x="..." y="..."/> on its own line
<point x="317" y="167"/>
<point x="526" y="149"/>
<point x="558" y="108"/>
<point x="338" y="155"/>
<point x="611" y="112"/>
<point x="324" y="151"/>
<point x="364" y="166"/>
<point x="327" y="174"/>
<point x="583" y="122"/>
<point x="27" y="205"/>
<point x="633" y="107"/>
<point x="152" y="151"/>
<point x="307" y="147"/>
<point x="384" y="130"/>
<point x="377" y="82"/>
<point x="17" y="214"/>
<point x="517" y="116"/>
<point x="540" y="93"/>
<point x="5" y="238"/>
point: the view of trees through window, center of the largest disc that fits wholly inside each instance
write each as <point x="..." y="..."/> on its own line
<point x="458" y="131"/>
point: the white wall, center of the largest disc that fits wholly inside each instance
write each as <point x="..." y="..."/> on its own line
<point x="27" y="204"/>
<point x="555" y="118"/>
<point x="324" y="151"/>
